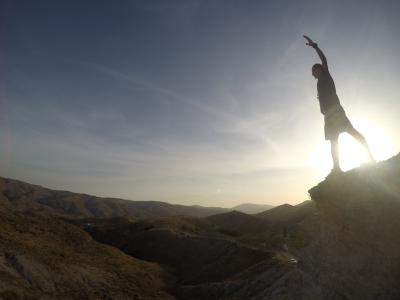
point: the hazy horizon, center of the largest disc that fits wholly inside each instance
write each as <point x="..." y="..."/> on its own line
<point x="192" y="102"/>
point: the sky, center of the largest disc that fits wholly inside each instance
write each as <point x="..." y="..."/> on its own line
<point x="207" y="102"/>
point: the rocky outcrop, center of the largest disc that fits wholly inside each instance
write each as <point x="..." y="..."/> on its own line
<point x="355" y="249"/>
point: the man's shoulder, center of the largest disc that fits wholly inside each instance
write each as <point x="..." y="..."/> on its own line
<point x="325" y="71"/>
<point x="325" y="75"/>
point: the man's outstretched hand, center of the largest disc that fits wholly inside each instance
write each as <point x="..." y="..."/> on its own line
<point x="310" y="43"/>
<point x="321" y="55"/>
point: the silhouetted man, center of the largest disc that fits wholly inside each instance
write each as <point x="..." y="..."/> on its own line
<point x="335" y="118"/>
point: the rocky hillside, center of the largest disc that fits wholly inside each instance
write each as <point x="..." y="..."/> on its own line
<point x="350" y="245"/>
<point x="287" y="215"/>
<point x="23" y="196"/>
<point x="343" y="244"/>
<point x="355" y="249"/>
<point x="236" y="223"/>
<point x="45" y="258"/>
<point x="208" y="263"/>
<point x="190" y="247"/>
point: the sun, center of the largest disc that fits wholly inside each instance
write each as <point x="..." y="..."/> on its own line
<point x="352" y="154"/>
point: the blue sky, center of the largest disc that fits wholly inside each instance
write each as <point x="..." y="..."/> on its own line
<point x="189" y="101"/>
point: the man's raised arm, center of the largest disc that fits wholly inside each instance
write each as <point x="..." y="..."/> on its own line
<point x="321" y="55"/>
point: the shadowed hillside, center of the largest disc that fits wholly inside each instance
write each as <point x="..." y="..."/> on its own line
<point x="272" y="229"/>
<point x="191" y="247"/>
<point x="236" y="223"/>
<point x="208" y="262"/>
<point x="287" y="214"/>
<point x="42" y="258"/>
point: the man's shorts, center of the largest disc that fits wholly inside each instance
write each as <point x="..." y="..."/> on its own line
<point x="336" y="122"/>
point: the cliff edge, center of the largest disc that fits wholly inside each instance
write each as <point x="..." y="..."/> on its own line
<point x="355" y="249"/>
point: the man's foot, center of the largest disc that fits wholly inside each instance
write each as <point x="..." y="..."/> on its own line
<point x="368" y="163"/>
<point x="335" y="172"/>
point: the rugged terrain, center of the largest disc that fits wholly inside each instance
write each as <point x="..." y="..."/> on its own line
<point x="341" y="244"/>
<point x="46" y="258"/>
<point x="355" y="249"/>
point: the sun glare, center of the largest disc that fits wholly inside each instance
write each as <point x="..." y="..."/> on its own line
<point x="352" y="154"/>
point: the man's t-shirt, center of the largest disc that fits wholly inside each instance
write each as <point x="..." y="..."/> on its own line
<point x="327" y="92"/>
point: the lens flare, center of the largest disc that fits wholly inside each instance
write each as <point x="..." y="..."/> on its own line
<point x="352" y="154"/>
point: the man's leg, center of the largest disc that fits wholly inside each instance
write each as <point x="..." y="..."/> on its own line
<point x="335" y="153"/>
<point x="361" y="139"/>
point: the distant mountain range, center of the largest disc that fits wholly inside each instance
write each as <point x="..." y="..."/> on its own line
<point x="27" y="197"/>
<point x="251" y="208"/>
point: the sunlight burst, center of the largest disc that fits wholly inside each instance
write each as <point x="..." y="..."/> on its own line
<point x="352" y="154"/>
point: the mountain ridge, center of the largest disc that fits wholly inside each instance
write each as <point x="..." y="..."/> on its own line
<point x="252" y="208"/>
<point x="27" y="197"/>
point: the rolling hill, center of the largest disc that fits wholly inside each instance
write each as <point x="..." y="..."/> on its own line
<point x="46" y="258"/>
<point x="252" y="208"/>
<point x="23" y="196"/>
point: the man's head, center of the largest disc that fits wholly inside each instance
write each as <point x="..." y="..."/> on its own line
<point x="316" y="70"/>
